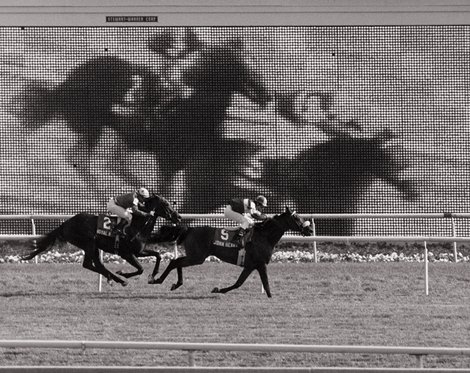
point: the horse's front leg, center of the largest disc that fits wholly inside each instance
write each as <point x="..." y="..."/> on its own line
<point x="263" y="274"/>
<point x="158" y="258"/>
<point x="132" y="260"/>
<point x="243" y="276"/>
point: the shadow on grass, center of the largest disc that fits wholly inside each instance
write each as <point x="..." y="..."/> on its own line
<point x="107" y="295"/>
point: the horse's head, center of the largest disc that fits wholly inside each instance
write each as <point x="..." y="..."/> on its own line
<point x="332" y="177"/>
<point x="224" y="68"/>
<point x="295" y="222"/>
<point x="384" y="158"/>
<point x="342" y="168"/>
<point x="162" y="208"/>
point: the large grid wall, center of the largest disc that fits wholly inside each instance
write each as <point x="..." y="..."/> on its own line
<point x="323" y="119"/>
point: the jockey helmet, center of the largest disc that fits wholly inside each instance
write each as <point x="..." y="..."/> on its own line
<point x="174" y="42"/>
<point x="162" y="41"/>
<point x="143" y="192"/>
<point x="191" y="41"/>
<point x="261" y="200"/>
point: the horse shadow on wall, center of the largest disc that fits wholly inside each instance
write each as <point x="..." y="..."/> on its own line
<point x="331" y="177"/>
<point x="95" y="95"/>
<point x="188" y="135"/>
<point x="182" y="133"/>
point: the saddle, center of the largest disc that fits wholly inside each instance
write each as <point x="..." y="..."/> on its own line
<point x="226" y="237"/>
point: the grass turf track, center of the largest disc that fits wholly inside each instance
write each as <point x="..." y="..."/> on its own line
<point x="323" y="303"/>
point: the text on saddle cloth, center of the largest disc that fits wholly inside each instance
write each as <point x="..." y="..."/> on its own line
<point x="106" y="223"/>
<point x="225" y="236"/>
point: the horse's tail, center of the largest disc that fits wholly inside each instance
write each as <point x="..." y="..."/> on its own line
<point x="36" y="104"/>
<point x="45" y="243"/>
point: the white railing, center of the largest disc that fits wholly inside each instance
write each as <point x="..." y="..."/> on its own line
<point x="191" y="348"/>
<point x="313" y="239"/>
<point x="291" y="238"/>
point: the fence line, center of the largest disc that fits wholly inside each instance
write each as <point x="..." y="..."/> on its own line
<point x="438" y="215"/>
<point x="191" y="348"/>
<point x="314" y="239"/>
<point x="292" y="238"/>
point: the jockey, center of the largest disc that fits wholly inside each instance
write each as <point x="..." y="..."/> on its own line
<point x="125" y="205"/>
<point x="244" y="211"/>
<point x="180" y="47"/>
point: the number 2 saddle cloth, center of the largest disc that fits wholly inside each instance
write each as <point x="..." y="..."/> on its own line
<point x="106" y="224"/>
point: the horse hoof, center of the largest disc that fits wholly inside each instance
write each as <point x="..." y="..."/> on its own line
<point x="215" y="290"/>
<point x="175" y="286"/>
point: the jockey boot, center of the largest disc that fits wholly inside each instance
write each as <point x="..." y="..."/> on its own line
<point x="238" y="240"/>
<point x="120" y="228"/>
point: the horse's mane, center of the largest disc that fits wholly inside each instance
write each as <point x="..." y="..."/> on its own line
<point x="267" y="225"/>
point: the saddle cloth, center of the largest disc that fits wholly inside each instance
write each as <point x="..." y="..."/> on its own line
<point x="106" y="223"/>
<point x="224" y="237"/>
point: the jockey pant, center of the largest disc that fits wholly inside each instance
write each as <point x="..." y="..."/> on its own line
<point x="120" y="211"/>
<point x="242" y="219"/>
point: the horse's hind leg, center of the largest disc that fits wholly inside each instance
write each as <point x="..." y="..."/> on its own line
<point x="178" y="263"/>
<point x="94" y="263"/>
<point x="132" y="260"/>
<point x="241" y="279"/>
<point x="88" y="264"/>
<point x="158" y="258"/>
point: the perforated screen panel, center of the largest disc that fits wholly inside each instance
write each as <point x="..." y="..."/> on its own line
<point x="322" y="119"/>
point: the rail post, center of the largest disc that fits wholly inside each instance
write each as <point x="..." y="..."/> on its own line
<point x="100" y="277"/>
<point x="175" y="245"/>
<point x="315" y="256"/>
<point x="426" y="270"/>
<point x="454" y="233"/>
<point x="33" y="230"/>
<point x="191" y="358"/>
<point x="420" y="360"/>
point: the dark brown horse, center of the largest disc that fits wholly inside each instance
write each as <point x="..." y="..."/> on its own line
<point x="198" y="243"/>
<point x="81" y="231"/>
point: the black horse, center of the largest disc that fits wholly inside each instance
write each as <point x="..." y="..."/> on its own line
<point x="198" y="243"/>
<point x="211" y="162"/>
<point x="104" y="91"/>
<point x="81" y="231"/>
<point x="332" y="176"/>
